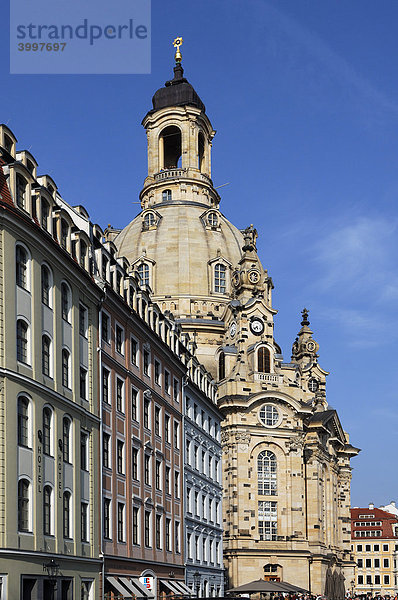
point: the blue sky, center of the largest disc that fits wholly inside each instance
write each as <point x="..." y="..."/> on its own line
<point x="304" y="97"/>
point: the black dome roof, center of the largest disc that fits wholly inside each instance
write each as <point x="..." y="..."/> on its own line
<point x="177" y="92"/>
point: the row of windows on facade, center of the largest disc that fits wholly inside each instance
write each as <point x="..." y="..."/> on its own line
<point x="202" y="505"/>
<point x="376" y="548"/>
<point x="208" y="551"/>
<point x="162" y="529"/>
<point x="367" y="562"/>
<point x="201" y="418"/>
<point x="145" y="410"/>
<point x="150" y="219"/>
<point x="263" y="362"/>
<point x="202" y="460"/>
<point x="219" y="277"/>
<point x="47" y="433"/>
<point x="25" y="517"/>
<point x="375" y="581"/>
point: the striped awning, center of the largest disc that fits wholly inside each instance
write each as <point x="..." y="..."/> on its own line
<point x="130" y="588"/>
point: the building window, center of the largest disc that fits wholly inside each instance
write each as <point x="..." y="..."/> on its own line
<point x="167" y="532"/>
<point x="386" y="580"/>
<point x="377" y="579"/>
<point x="196" y="504"/>
<point x="106" y="438"/>
<point x="83" y="320"/>
<point x="167" y="480"/>
<point x="385" y="547"/>
<point x="177" y="537"/>
<point x="104" y="267"/>
<point x="83" y="254"/>
<point x="119" y="395"/>
<point x="386" y="563"/>
<point x="47" y="494"/>
<point x="84" y="451"/>
<point x="64" y="234"/>
<point x="360" y="563"/>
<point x="66" y="514"/>
<point x="377" y="563"/>
<point x="120" y="522"/>
<point x="119" y="339"/>
<point x="267" y="473"/>
<point x="66" y="441"/>
<point x="158" y="531"/>
<point x="176" y="435"/>
<point x="65" y="302"/>
<point x="147" y="404"/>
<point x="45" y="285"/>
<point x="176" y="484"/>
<point x="166" y="196"/>
<point x="146" y="362"/>
<point x="143" y="274"/>
<point x="263" y="360"/>
<point x="135" y="524"/>
<point x="134" y="404"/>
<point x="21" y="267"/>
<point x="167" y="382"/>
<point x="176" y="390"/>
<point x="45" y="213"/>
<point x="23" y="505"/>
<point x="105" y="328"/>
<point x="147" y="529"/>
<point x="267" y="520"/>
<point x="65" y="368"/>
<point x="167" y="428"/>
<point x="107" y="518"/>
<point x="23" y="422"/>
<point x="360" y="579"/>
<point x="149" y="220"/>
<point x="134" y="350"/>
<point x="157" y="475"/>
<point x="22" y="341"/>
<point x="269" y="415"/>
<point x="45" y="355"/>
<point x="368" y="563"/>
<point x="84" y="521"/>
<point x="120" y="457"/>
<point x="157" y="420"/>
<point x="147" y="469"/>
<point x="134" y="463"/>
<point x="157" y="372"/>
<point x="83" y="383"/>
<point x="221" y="365"/>
<point x="21" y="186"/>
<point x="220" y="278"/>
<point x="212" y="219"/>
<point x="105" y="385"/>
<point x="47" y="418"/>
<point x="368" y="580"/>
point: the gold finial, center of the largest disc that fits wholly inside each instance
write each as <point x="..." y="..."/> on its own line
<point x="177" y="43"/>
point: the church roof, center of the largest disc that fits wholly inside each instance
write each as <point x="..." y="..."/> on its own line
<point x="177" y="92"/>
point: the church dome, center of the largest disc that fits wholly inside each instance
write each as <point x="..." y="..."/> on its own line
<point x="182" y="243"/>
<point x="177" y="92"/>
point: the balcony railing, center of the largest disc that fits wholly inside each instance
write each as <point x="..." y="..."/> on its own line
<point x="268" y="377"/>
<point x="170" y="174"/>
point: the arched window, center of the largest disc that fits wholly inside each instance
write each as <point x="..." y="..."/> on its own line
<point x="64" y="233"/>
<point x="267" y="473"/>
<point x="47" y="418"/>
<point x="65" y="368"/>
<point x="23" y="504"/>
<point x="104" y="267"/>
<point x="201" y="150"/>
<point x="21" y="185"/>
<point x="45" y="213"/>
<point x="66" y="439"/>
<point x="212" y="219"/>
<point x="65" y="302"/>
<point x="220" y="278"/>
<point x="47" y="509"/>
<point x="263" y="360"/>
<point x="22" y="341"/>
<point x="143" y="272"/>
<point x="166" y="196"/>
<point x="45" y="285"/>
<point x="23" y="421"/>
<point x="221" y="366"/>
<point x="45" y="355"/>
<point x="21" y="267"/>
<point x="149" y="220"/>
<point x="170" y="139"/>
<point x="66" y="515"/>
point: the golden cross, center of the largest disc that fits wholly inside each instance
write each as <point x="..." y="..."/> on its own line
<point x="177" y="43"/>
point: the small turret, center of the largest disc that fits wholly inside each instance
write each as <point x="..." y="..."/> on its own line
<point x="304" y="346"/>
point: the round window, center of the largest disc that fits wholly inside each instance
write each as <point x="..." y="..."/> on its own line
<point x="269" y="415"/>
<point x="313" y="385"/>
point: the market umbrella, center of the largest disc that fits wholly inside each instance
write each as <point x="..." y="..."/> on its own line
<point x="260" y="585"/>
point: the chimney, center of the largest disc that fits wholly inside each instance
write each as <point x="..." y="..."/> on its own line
<point x="371" y="506"/>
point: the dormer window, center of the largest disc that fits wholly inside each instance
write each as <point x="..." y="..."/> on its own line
<point x="45" y="212"/>
<point x="212" y="219"/>
<point x="143" y="273"/>
<point x="221" y="366"/>
<point x="64" y="233"/>
<point x="21" y="192"/>
<point x="166" y="196"/>
<point x="8" y="143"/>
<point x="83" y="254"/>
<point x="220" y="286"/>
<point x="149" y="220"/>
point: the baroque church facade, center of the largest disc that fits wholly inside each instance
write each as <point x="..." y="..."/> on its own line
<point x="286" y="457"/>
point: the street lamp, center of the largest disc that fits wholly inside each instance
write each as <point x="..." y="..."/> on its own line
<point x="52" y="569"/>
<point x="196" y="580"/>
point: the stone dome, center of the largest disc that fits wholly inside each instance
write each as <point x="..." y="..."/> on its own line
<point x="181" y="248"/>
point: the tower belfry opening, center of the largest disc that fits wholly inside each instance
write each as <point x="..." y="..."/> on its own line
<point x="170" y="147"/>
